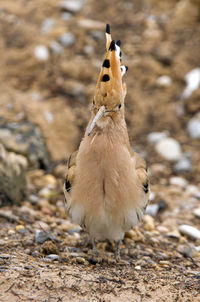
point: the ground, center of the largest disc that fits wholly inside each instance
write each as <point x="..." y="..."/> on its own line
<point x="158" y="262"/>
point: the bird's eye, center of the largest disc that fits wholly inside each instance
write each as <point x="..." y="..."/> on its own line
<point x="120" y="105"/>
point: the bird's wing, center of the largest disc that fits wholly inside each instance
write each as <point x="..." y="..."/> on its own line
<point x="69" y="179"/>
<point x="141" y="171"/>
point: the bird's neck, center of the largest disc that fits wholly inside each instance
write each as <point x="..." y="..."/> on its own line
<point x="111" y="128"/>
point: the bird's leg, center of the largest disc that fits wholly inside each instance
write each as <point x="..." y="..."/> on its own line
<point x="94" y="248"/>
<point x="117" y="252"/>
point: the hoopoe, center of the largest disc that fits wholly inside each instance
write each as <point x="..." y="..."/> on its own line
<point x="106" y="186"/>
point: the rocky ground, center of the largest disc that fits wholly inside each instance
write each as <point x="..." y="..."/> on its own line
<point x="51" y="52"/>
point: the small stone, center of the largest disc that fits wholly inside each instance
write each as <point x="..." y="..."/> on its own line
<point x="49" y="116"/>
<point x="196" y="212"/>
<point x="149" y="223"/>
<point x="47" y="25"/>
<point x="187" y="251"/>
<point x="41" y="53"/>
<point x="152" y="209"/>
<point x="190" y="231"/>
<point x="80" y="260"/>
<point x="11" y="232"/>
<point x="178" y="181"/>
<point x="72" y="6"/>
<point x="97" y="34"/>
<point x="91" y="24"/>
<point x="169" y="149"/>
<point x="67" y="39"/>
<point x="164" y="81"/>
<point x="2" y="242"/>
<point x="19" y="227"/>
<point x="162" y="229"/>
<point x="138" y="268"/>
<point x="192" y="79"/>
<point x="33" y="199"/>
<point x="56" y="48"/>
<point x="66" y="16"/>
<point x="183" y="165"/>
<point x="193" y="127"/>
<point x="41" y="236"/>
<point x="174" y="234"/>
<point x="46" y="193"/>
<point x="53" y="257"/>
<point x="192" y="190"/>
<point x="155" y="137"/>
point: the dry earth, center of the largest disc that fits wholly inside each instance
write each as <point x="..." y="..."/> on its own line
<point x="158" y="38"/>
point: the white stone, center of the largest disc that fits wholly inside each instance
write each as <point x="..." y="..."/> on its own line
<point x="49" y="116"/>
<point x="164" y="81"/>
<point x="47" y="25"/>
<point x="72" y="6"/>
<point x="56" y="48"/>
<point x="183" y="165"/>
<point x="193" y="127"/>
<point x="152" y="209"/>
<point x="196" y="212"/>
<point x="41" y="52"/>
<point x="155" y="137"/>
<point x="178" y="181"/>
<point x="67" y="39"/>
<point x="169" y="149"/>
<point x="189" y="231"/>
<point x="192" y="79"/>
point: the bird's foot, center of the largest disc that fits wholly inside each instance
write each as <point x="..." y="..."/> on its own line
<point x="117" y="252"/>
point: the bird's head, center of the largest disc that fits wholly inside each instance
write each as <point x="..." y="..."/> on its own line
<point x="108" y="102"/>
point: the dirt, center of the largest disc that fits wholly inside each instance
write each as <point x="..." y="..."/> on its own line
<point x="158" y="38"/>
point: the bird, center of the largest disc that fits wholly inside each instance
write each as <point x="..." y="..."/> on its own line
<point x="106" y="186"/>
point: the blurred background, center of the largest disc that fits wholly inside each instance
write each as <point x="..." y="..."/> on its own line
<point x="51" y="52"/>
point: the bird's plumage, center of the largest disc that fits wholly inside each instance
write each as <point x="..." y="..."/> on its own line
<point x="106" y="186"/>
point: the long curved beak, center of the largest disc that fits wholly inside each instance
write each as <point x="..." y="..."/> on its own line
<point x="96" y="118"/>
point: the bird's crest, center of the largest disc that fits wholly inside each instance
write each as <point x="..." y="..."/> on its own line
<point x="109" y="85"/>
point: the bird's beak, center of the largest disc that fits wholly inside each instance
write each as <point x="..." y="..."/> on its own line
<point x="96" y="118"/>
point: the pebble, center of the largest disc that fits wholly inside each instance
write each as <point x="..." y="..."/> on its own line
<point x="19" y="227"/>
<point x="148" y="223"/>
<point x="155" y="137"/>
<point x="187" y="251"/>
<point x="192" y="190"/>
<point x="2" y="242"/>
<point x="91" y="24"/>
<point x="41" y="236"/>
<point x="193" y="127"/>
<point x="189" y="231"/>
<point x="152" y="209"/>
<point x="52" y="257"/>
<point x="178" y="181"/>
<point x="174" y="234"/>
<point x="33" y="199"/>
<point x="56" y="48"/>
<point x="80" y="260"/>
<point x="138" y="267"/>
<point x="164" y="81"/>
<point x="184" y="164"/>
<point x="192" y="79"/>
<point x="47" y="25"/>
<point x="67" y="39"/>
<point x="162" y="229"/>
<point x="41" y="52"/>
<point x="169" y="149"/>
<point x="48" y="116"/>
<point x="66" y="16"/>
<point x="196" y="212"/>
<point x="97" y="34"/>
<point x="72" y="6"/>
